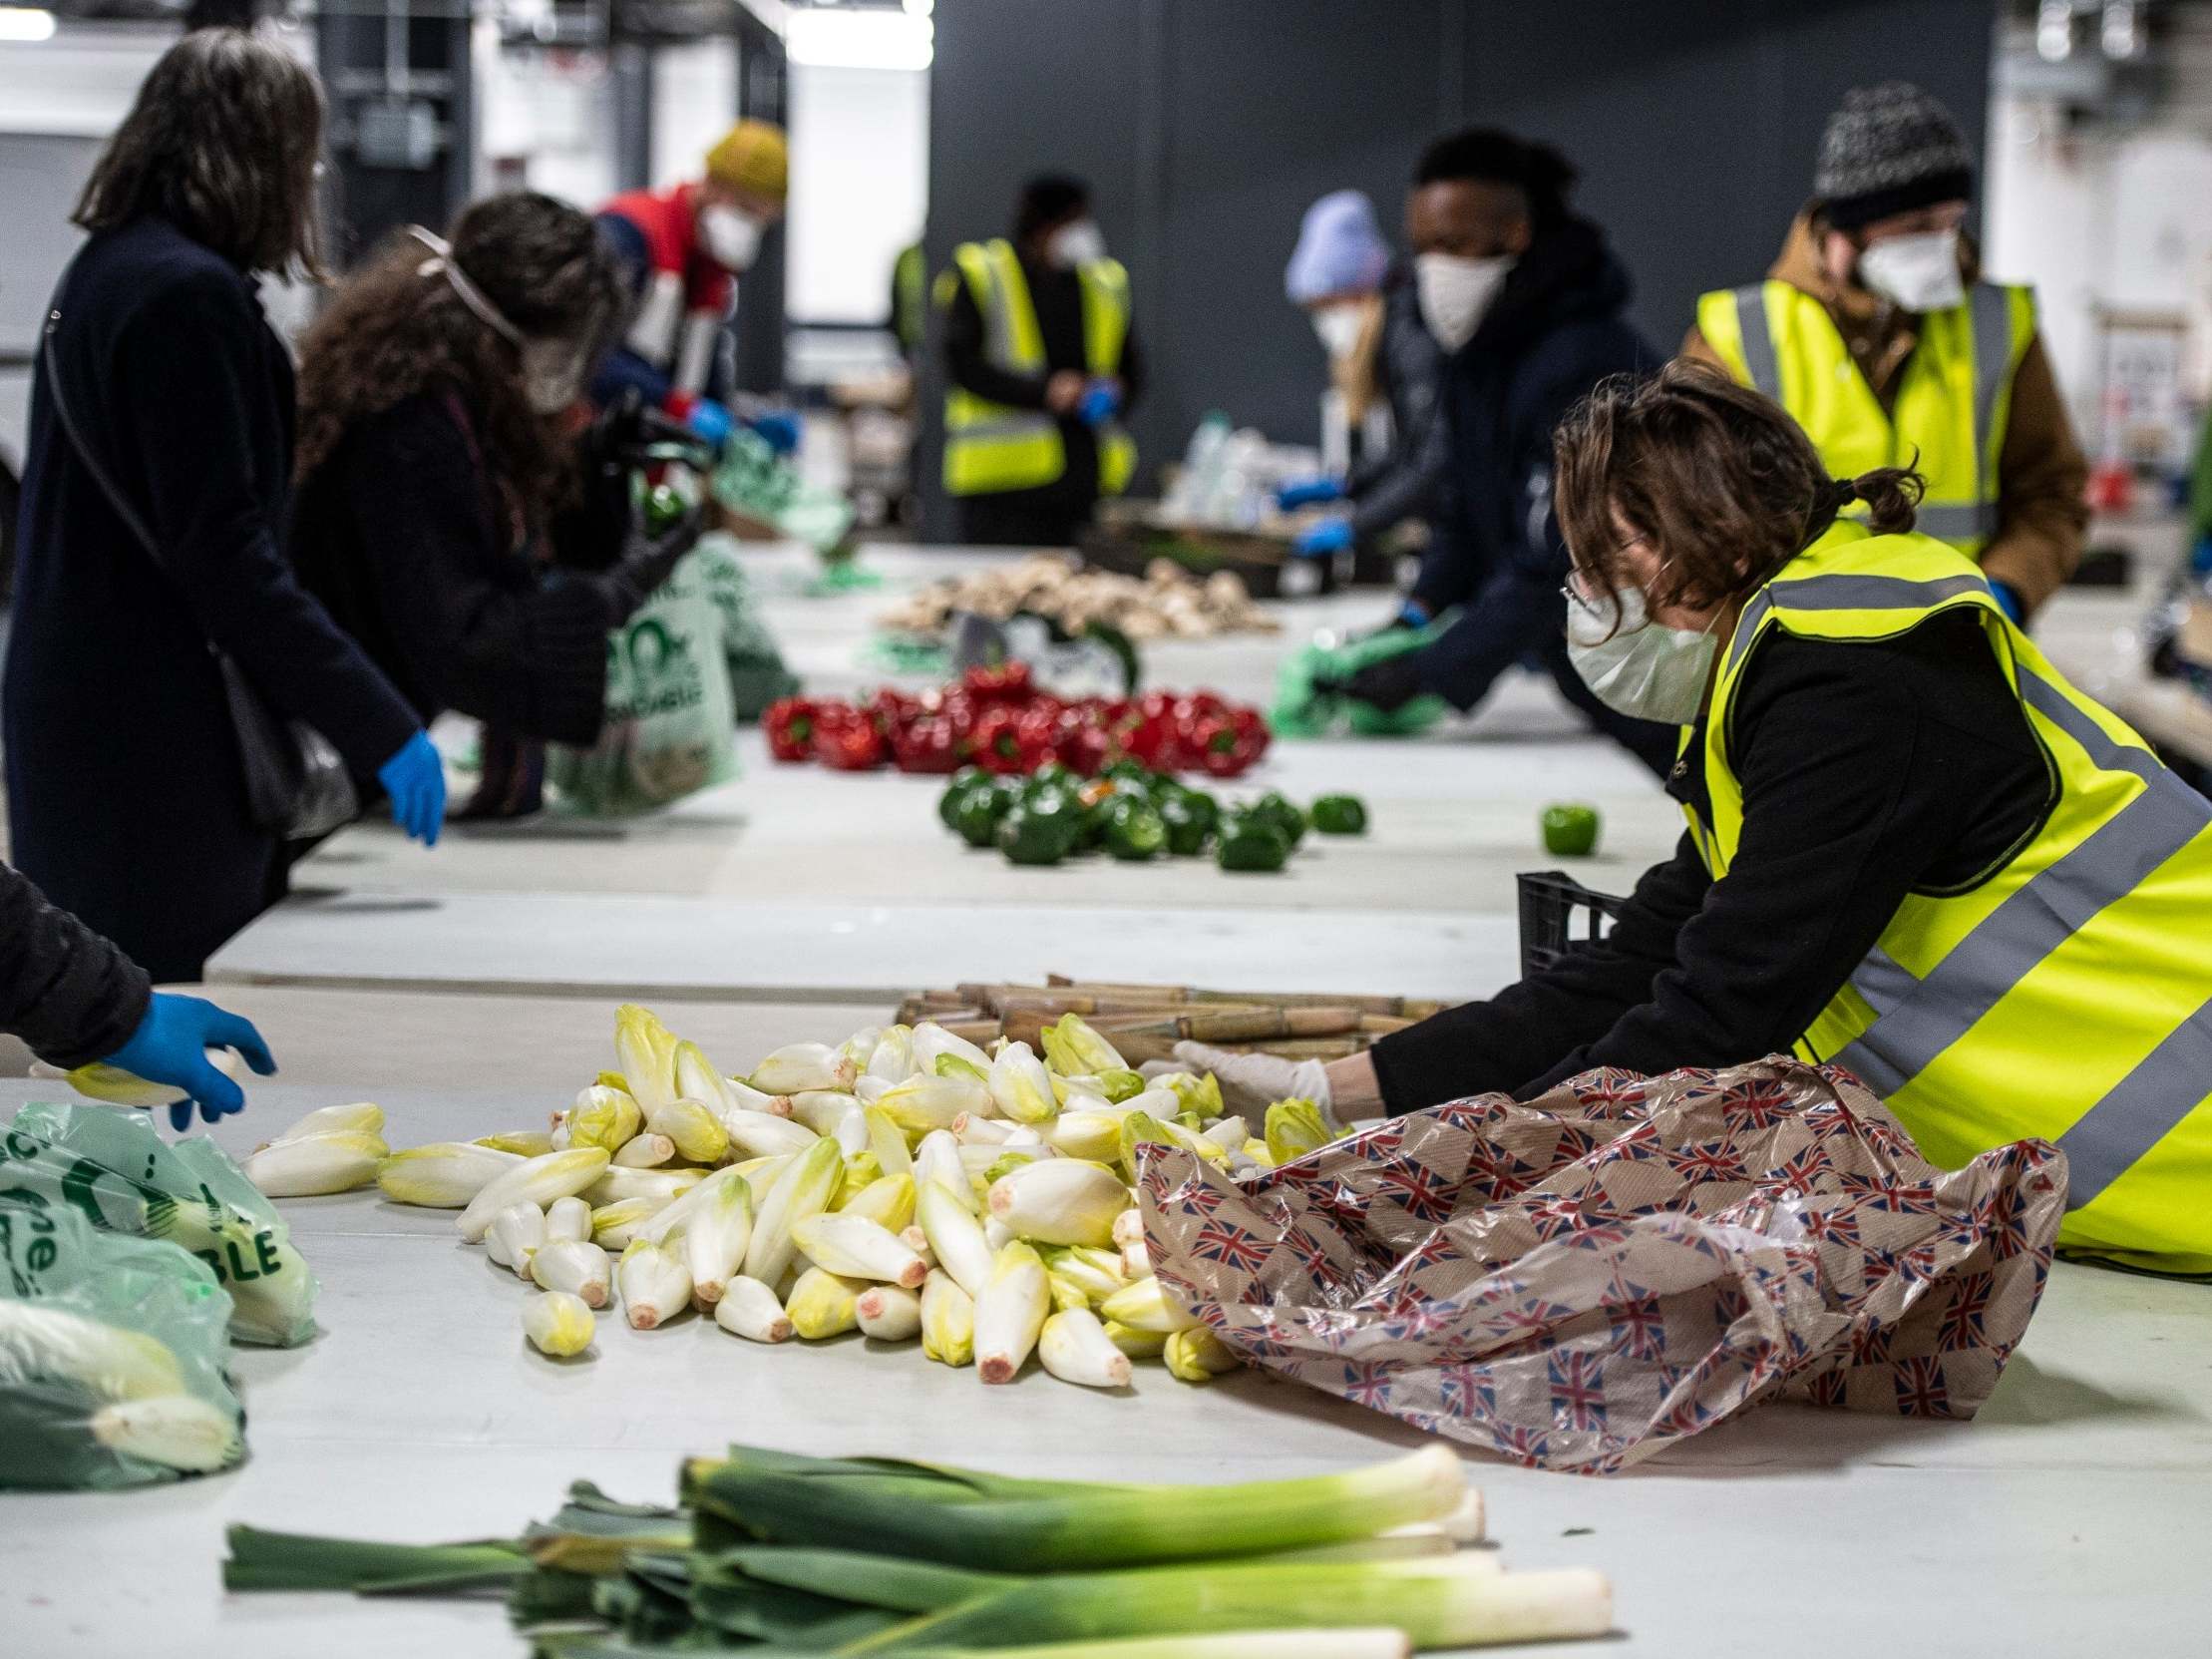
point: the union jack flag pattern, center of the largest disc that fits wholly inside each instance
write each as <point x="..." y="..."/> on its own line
<point x="1577" y="1282"/>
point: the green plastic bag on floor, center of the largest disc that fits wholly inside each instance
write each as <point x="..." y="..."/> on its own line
<point x="669" y="730"/>
<point x="1303" y="710"/>
<point x="112" y="1167"/>
<point x="112" y="1354"/>
<point x="758" y="676"/>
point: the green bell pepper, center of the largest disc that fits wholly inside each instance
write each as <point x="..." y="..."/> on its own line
<point x="949" y="803"/>
<point x="1135" y="831"/>
<point x="1033" y="834"/>
<point x="1252" y="845"/>
<point x="977" y="814"/>
<point x="1188" y="830"/>
<point x="1570" y="830"/>
<point x="1340" y="815"/>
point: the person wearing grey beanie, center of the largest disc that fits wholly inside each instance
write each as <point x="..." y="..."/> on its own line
<point x="1876" y="330"/>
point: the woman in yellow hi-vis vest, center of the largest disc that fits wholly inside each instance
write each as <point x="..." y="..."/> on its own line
<point x="1041" y="364"/>
<point x="1914" y="848"/>
<point x="1875" y="331"/>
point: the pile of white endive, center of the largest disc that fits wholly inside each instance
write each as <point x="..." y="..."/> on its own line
<point x="905" y="1184"/>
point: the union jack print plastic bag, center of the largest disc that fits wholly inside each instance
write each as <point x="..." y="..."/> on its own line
<point x="1622" y="1263"/>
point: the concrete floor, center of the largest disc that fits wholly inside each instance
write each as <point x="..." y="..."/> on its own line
<point x="2068" y="1518"/>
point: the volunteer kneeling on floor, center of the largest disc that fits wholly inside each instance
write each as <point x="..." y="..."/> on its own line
<point x="1875" y="329"/>
<point x="1913" y="849"/>
<point x="440" y="514"/>
<point x="682" y="250"/>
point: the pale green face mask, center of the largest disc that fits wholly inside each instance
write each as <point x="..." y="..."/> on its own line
<point x="1636" y="666"/>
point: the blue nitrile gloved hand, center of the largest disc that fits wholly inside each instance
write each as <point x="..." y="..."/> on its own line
<point x="1100" y="403"/>
<point x="169" y="1047"/>
<point x="778" y="429"/>
<point x="1308" y="492"/>
<point x="1413" y="614"/>
<point x="710" y="423"/>
<point x="415" y="778"/>
<point x="2008" y="601"/>
<point x="1322" y="540"/>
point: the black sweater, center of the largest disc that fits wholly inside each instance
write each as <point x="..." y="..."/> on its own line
<point x="1870" y="771"/>
<point x="403" y="535"/>
<point x="66" y="993"/>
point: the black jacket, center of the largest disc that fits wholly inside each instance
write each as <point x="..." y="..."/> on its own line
<point x="1058" y="297"/>
<point x="1870" y="770"/>
<point x="404" y="534"/>
<point x="127" y="800"/>
<point x="1407" y="480"/>
<point x="66" y="993"/>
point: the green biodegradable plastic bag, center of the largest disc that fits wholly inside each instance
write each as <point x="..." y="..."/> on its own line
<point x="110" y="1166"/>
<point x="112" y="1351"/>
<point x="669" y="730"/>
<point x="1302" y="710"/>
<point x="757" y="673"/>
<point x="754" y="480"/>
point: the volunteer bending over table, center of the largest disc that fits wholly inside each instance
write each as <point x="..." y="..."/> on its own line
<point x="439" y="397"/>
<point x="1914" y="848"/>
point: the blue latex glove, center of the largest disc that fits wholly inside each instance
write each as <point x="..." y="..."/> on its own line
<point x="2200" y="557"/>
<point x="169" y="1047"/>
<point x="1413" y="614"/>
<point x="778" y="429"/>
<point x="415" y="778"/>
<point x="1101" y="403"/>
<point x="710" y="423"/>
<point x="1308" y="492"/>
<point x="2008" y="601"/>
<point x="1322" y="540"/>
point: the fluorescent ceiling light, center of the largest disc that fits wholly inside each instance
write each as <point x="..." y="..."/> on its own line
<point x="24" y="23"/>
<point x="858" y="39"/>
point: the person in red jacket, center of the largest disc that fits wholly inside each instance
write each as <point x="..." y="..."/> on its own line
<point x="682" y="250"/>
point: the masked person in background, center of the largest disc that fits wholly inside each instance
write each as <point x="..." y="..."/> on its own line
<point x="1913" y="848"/>
<point x="1367" y="315"/>
<point x="682" y="251"/>
<point x="1526" y="300"/>
<point x="1876" y="332"/>
<point x="155" y="494"/>
<point x="1041" y="364"/>
<point x="440" y="515"/>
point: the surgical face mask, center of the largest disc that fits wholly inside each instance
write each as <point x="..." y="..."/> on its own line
<point x="1918" y="273"/>
<point x="1640" y="669"/>
<point x="1456" y="293"/>
<point x="732" y="236"/>
<point x="1075" y="245"/>
<point x="1339" y="329"/>
<point x="553" y="375"/>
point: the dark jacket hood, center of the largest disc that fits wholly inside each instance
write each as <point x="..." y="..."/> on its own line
<point x="1570" y="274"/>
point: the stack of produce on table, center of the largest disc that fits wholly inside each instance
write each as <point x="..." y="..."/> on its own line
<point x="1132" y="813"/>
<point x="1146" y="1021"/>
<point x="881" y="1555"/>
<point x="1168" y="603"/>
<point x="907" y="1183"/>
<point x="1002" y="720"/>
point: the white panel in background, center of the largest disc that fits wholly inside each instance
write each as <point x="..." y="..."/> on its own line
<point x="694" y="103"/>
<point x="860" y="141"/>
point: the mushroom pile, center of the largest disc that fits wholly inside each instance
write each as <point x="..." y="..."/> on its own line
<point x="1168" y="603"/>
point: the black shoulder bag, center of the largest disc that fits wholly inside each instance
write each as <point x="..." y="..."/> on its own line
<point x="297" y="784"/>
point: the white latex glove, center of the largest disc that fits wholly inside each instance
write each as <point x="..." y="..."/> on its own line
<point x="1259" y="1081"/>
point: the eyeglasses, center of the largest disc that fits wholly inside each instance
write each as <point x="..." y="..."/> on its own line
<point x="1584" y="600"/>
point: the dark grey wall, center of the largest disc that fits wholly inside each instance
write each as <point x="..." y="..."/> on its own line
<point x="1207" y="127"/>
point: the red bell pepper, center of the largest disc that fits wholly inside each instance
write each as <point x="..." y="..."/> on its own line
<point x="847" y="740"/>
<point x="996" y="741"/>
<point x="1009" y="683"/>
<point x="926" y="744"/>
<point x="1220" y="748"/>
<point x="893" y="711"/>
<point x="1081" y="744"/>
<point x="789" y="725"/>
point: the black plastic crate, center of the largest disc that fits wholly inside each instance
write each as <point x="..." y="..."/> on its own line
<point x="1559" y="914"/>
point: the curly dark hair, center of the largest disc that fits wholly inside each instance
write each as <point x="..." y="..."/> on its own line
<point x="395" y="330"/>
<point x="220" y="142"/>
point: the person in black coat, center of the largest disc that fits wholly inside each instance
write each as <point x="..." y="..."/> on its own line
<point x="127" y="795"/>
<point x="1526" y="300"/>
<point x="439" y="463"/>
<point x="74" y="999"/>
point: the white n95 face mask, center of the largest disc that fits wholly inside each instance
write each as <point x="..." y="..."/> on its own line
<point x="1076" y="244"/>
<point x="1456" y="291"/>
<point x="1339" y="329"/>
<point x="732" y="236"/>
<point x="553" y="375"/>
<point x="1919" y="273"/>
<point x="1640" y="669"/>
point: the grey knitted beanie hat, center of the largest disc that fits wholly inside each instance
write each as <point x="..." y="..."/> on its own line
<point x="1887" y="149"/>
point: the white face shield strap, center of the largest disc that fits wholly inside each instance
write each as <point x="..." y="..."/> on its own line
<point x="442" y="264"/>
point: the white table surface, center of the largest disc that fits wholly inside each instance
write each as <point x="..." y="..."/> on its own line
<point x="2069" y="1519"/>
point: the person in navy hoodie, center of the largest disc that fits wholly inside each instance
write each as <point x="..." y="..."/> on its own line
<point x="127" y="801"/>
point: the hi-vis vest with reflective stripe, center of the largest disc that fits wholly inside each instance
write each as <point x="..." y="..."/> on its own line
<point x="991" y="447"/>
<point x="1948" y="423"/>
<point x="2067" y="993"/>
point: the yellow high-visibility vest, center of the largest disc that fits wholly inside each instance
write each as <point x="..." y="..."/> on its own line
<point x="2064" y="994"/>
<point x="1948" y="423"/>
<point x="991" y="447"/>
